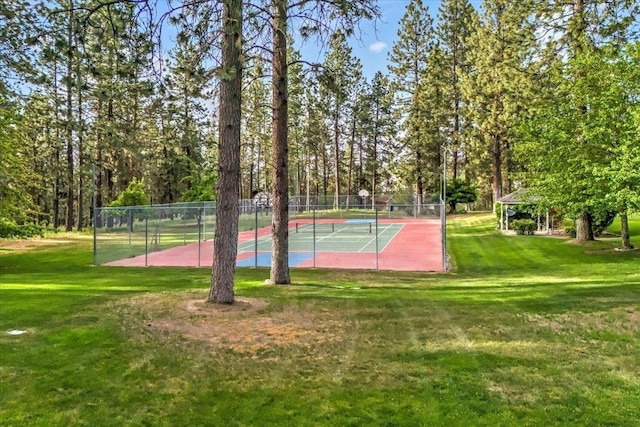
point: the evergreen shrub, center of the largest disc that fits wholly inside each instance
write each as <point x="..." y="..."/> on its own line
<point x="524" y="226"/>
<point x="9" y="229"/>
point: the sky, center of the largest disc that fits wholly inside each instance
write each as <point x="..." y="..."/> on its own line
<point x="373" y="47"/>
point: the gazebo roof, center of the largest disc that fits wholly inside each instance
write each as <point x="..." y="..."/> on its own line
<point x="518" y="197"/>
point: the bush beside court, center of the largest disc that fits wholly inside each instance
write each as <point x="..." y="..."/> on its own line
<point x="525" y="331"/>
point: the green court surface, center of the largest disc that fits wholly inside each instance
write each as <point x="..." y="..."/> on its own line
<point x="331" y="237"/>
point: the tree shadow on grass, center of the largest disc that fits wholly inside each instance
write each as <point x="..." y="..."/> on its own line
<point x="556" y="295"/>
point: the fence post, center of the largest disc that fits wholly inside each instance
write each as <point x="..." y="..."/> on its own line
<point x="377" y="265"/>
<point x="146" y="239"/>
<point x="314" y="236"/>
<point x="95" y="233"/>
<point x="199" y="233"/>
<point x="184" y="226"/>
<point x="130" y="227"/>
<point x="204" y="223"/>
<point x="443" y="228"/>
<point x="255" y="238"/>
<point x="93" y="208"/>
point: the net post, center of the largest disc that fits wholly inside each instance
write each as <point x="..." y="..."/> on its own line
<point x="314" y="236"/>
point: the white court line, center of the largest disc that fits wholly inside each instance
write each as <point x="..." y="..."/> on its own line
<point x="334" y="235"/>
<point x="373" y="239"/>
<point x="250" y="245"/>
<point x="394" y="236"/>
<point x="308" y="237"/>
<point x="388" y="227"/>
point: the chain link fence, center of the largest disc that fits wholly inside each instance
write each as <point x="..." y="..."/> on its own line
<point x="140" y="231"/>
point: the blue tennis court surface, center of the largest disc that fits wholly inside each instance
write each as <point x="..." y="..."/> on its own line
<point x="264" y="259"/>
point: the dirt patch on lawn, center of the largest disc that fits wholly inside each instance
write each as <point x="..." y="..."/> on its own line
<point x="248" y="326"/>
<point x="609" y="251"/>
<point x="619" y="320"/>
<point x="26" y="245"/>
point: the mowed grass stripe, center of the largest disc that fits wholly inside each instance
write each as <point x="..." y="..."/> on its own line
<point x="524" y="331"/>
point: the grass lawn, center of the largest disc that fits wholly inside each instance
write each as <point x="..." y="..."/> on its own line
<point x="526" y="330"/>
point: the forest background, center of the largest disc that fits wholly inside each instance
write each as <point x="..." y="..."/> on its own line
<point x="115" y="95"/>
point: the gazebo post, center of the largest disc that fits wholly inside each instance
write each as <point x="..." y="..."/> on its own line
<point x="501" y="216"/>
<point x="548" y="229"/>
<point x="506" y="220"/>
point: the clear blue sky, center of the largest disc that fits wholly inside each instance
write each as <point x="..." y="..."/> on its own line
<point x="373" y="47"/>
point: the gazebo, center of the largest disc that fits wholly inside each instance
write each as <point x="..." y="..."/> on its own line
<point x="520" y="197"/>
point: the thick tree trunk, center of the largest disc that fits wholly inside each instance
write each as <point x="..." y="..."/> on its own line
<point x="374" y="172"/>
<point x="280" y="215"/>
<point x="361" y="179"/>
<point x="80" y="154"/>
<point x="58" y="180"/>
<point x="225" y="246"/>
<point x="624" y="232"/>
<point x="584" y="229"/>
<point x="455" y="143"/>
<point x="336" y="149"/>
<point x="97" y="219"/>
<point x="351" y="161"/>
<point x="56" y="190"/>
<point x="455" y="137"/>
<point x="258" y="163"/>
<point x="325" y="174"/>
<point x="69" y="124"/>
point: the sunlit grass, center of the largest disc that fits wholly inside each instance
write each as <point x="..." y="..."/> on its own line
<point x="526" y="330"/>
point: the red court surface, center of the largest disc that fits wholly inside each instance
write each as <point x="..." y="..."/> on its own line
<point x="416" y="247"/>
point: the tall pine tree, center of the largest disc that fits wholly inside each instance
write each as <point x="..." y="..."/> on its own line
<point x="408" y="65"/>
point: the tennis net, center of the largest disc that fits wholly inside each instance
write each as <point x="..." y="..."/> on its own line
<point x="335" y="227"/>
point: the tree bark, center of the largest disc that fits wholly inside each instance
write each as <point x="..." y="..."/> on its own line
<point x="325" y="173"/>
<point x="97" y="219"/>
<point x="374" y="173"/>
<point x="280" y="214"/>
<point x="58" y="180"/>
<point x="56" y="190"/>
<point x="584" y="229"/>
<point x="336" y="148"/>
<point x="351" y="161"/>
<point x="69" y="124"/>
<point x="496" y="166"/>
<point x="225" y="247"/>
<point x="80" y="151"/>
<point x="624" y="232"/>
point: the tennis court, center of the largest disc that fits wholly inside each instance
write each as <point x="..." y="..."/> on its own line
<point x="327" y="236"/>
<point x="386" y="244"/>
